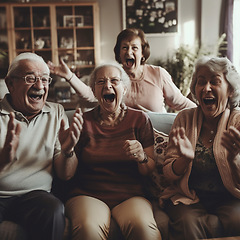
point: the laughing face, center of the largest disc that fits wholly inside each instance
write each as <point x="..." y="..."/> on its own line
<point x="131" y="53"/>
<point x="28" y="98"/>
<point x="212" y="92"/>
<point x="109" y="89"/>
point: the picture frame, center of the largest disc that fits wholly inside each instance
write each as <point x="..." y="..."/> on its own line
<point x="79" y="21"/>
<point x="153" y="17"/>
<point x="68" y="21"/>
<point x="73" y="20"/>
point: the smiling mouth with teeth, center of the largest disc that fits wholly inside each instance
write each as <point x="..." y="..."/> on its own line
<point x="36" y="96"/>
<point x="209" y="101"/>
<point x="109" y="97"/>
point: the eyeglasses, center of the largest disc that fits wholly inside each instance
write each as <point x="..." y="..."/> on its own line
<point x="32" y="79"/>
<point x="113" y="81"/>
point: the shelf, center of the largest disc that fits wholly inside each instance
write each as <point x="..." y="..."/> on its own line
<point x="52" y="30"/>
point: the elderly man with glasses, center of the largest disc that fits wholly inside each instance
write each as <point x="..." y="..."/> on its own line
<point x="35" y="141"/>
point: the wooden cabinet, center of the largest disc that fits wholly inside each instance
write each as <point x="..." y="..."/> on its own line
<point x="4" y="39"/>
<point x="52" y="30"/>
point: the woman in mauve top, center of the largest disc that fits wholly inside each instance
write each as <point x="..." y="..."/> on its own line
<point x="151" y="86"/>
<point x="115" y="153"/>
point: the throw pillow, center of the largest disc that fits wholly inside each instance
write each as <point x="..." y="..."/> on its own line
<point x="157" y="181"/>
<point x="160" y="145"/>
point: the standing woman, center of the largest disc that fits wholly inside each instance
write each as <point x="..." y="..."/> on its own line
<point x="203" y="160"/>
<point x="115" y="152"/>
<point x="151" y="86"/>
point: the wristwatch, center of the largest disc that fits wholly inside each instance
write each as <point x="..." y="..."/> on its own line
<point x="145" y="160"/>
<point x="68" y="155"/>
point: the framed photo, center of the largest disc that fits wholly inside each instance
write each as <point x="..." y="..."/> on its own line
<point x="152" y="16"/>
<point x="68" y="21"/>
<point x="79" y="21"/>
<point x="73" y="20"/>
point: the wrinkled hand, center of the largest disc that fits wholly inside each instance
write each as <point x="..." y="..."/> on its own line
<point x="61" y="70"/>
<point x="134" y="150"/>
<point x="180" y="140"/>
<point x="231" y="140"/>
<point x="69" y="137"/>
<point x="12" y="140"/>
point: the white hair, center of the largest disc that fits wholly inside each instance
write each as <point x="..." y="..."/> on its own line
<point x="124" y="77"/>
<point x="24" y="56"/>
<point x="224" y="65"/>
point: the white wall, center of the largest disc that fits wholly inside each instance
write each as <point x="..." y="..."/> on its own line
<point x="161" y="46"/>
<point x="210" y="30"/>
<point x="190" y="27"/>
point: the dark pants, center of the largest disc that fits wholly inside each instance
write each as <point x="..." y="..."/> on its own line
<point x="207" y="219"/>
<point x="38" y="212"/>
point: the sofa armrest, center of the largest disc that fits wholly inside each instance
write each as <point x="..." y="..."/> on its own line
<point x="162" y="121"/>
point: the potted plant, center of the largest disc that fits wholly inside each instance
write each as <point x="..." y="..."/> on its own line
<point x="181" y="64"/>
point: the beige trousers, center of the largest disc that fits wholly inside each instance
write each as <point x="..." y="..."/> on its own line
<point x="91" y="217"/>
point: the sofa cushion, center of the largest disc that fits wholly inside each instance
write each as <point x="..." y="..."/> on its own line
<point x="157" y="181"/>
<point x="160" y="145"/>
<point x="162" y="122"/>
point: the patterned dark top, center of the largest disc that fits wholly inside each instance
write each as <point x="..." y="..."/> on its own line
<point x="205" y="175"/>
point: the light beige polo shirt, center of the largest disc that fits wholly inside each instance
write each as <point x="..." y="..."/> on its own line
<point x="38" y="146"/>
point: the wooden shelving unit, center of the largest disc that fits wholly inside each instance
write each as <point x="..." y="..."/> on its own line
<point x="53" y="30"/>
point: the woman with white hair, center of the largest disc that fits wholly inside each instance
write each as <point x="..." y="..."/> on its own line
<point x="203" y="160"/>
<point x="115" y="152"/>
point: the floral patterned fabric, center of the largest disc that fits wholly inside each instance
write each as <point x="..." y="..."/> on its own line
<point x="205" y="175"/>
<point x="157" y="181"/>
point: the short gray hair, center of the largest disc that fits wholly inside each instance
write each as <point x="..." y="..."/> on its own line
<point x="124" y="77"/>
<point x="224" y="65"/>
<point x="24" y="56"/>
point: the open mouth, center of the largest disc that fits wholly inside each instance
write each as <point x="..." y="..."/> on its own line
<point x="130" y="62"/>
<point x="209" y="101"/>
<point x="109" y="97"/>
<point x="36" y="96"/>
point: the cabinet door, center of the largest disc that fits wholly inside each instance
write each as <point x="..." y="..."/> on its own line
<point x="75" y="37"/>
<point x="4" y="54"/>
<point x="32" y="30"/>
<point x="41" y="32"/>
<point x="22" y="29"/>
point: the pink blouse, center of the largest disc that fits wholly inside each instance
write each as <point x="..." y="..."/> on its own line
<point x="154" y="89"/>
